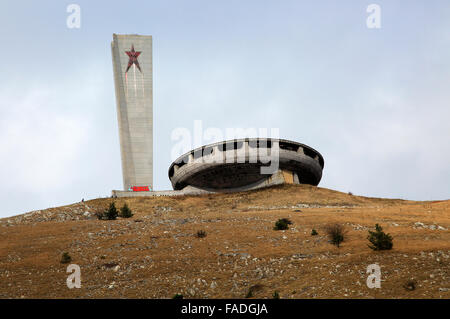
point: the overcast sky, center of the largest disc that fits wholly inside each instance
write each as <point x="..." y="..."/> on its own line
<point x="374" y="102"/>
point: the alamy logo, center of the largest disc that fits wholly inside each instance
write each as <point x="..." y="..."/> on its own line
<point x="374" y="19"/>
<point x="374" y="279"/>
<point x="265" y="151"/>
<point x="74" y="19"/>
<point x="74" y="279"/>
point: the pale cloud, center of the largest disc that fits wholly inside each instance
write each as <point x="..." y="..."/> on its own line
<point x="40" y="144"/>
<point x="55" y="143"/>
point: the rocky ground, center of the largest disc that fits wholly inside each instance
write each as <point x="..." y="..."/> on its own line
<point x="156" y="253"/>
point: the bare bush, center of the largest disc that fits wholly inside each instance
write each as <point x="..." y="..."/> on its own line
<point x="200" y="234"/>
<point x="336" y="233"/>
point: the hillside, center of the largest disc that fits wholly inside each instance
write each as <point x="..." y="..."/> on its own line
<point x="155" y="254"/>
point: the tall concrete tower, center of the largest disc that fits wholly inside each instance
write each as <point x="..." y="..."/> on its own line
<point x="132" y="63"/>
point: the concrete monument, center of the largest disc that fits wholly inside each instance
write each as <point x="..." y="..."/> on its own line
<point x="132" y="63"/>
<point x="235" y="165"/>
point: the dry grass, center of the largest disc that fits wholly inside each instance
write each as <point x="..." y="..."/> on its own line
<point x="157" y="255"/>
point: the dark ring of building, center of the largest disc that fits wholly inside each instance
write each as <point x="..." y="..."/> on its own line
<point x="244" y="164"/>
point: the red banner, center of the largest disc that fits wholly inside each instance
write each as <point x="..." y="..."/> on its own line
<point x="140" y="189"/>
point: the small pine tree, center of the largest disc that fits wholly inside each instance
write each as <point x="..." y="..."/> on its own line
<point x="111" y="213"/>
<point x="125" y="211"/>
<point x="314" y="232"/>
<point x="65" y="258"/>
<point x="379" y="239"/>
<point x="282" y="224"/>
<point x="276" y="295"/>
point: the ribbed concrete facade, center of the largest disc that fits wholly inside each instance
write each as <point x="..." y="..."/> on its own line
<point x="132" y="63"/>
<point x="245" y="164"/>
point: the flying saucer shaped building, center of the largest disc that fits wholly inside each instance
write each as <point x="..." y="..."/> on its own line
<point x="245" y="164"/>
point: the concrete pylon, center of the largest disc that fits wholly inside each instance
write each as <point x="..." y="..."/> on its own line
<point x="133" y="79"/>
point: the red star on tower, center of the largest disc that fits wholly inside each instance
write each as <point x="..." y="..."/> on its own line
<point x="133" y="55"/>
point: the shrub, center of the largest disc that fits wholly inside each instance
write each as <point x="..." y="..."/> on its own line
<point x="177" y="296"/>
<point x="282" y="224"/>
<point x="65" y="258"/>
<point x="410" y="285"/>
<point x="350" y="193"/>
<point x="111" y="213"/>
<point x="336" y="233"/>
<point x="125" y="211"/>
<point x="379" y="239"/>
<point x="276" y="295"/>
<point x="200" y="234"/>
<point x="314" y="232"/>
<point x="254" y="289"/>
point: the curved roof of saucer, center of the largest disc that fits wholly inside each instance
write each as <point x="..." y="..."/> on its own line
<point x="239" y="162"/>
